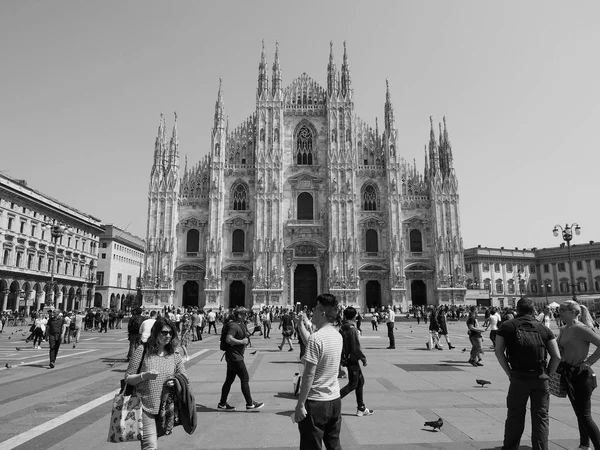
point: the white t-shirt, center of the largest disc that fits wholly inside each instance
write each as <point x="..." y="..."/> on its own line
<point x="494" y="319"/>
<point x="544" y="319"/>
<point x="391" y="316"/>
<point x="146" y="328"/>
<point x="212" y="316"/>
<point x="324" y="348"/>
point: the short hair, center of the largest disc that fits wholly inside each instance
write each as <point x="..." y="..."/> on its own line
<point x="330" y="306"/>
<point x="525" y="306"/>
<point x="152" y="344"/>
<point x="350" y="313"/>
<point x="152" y="313"/>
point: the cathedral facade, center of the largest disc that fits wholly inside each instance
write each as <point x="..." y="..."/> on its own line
<point x="303" y="197"/>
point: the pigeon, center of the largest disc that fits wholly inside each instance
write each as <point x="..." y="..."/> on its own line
<point x="8" y="366"/>
<point x="482" y="383"/>
<point x="74" y="345"/>
<point x="112" y="363"/>
<point x="436" y="424"/>
<point x="20" y="329"/>
<point x="254" y="352"/>
<point x="9" y="337"/>
<point x="18" y="349"/>
<point x="464" y="350"/>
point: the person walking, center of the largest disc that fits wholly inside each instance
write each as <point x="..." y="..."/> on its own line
<point x="522" y="347"/>
<point x="266" y="319"/>
<point x="201" y="323"/>
<point x="145" y="329"/>
<point x="133" y="331"/>
<point x="492" y="323"/>
<point x="442" y="319"/>
<point x="79" y="323"/>
<point x="286" y="325"/>
<point x="359" y="320"/>
<point x="418" y="314"/>
<point x="212" y="320"/>
<point x="156" y="361"/>
<point x="475" y="338"/>
<point x="53" y="334"/>
<point x="236" y="340"/>
<point x="185" y="324"/>
<point x="66" y="329"/>
<point x="319" y="406"/>
<point x="434" y="337"/>
<point x="374" y="320"/>
<point x="390" y="322"/>
<point x="576" y="367"/>
<point x="39" y="331"/>
<point x="104" y="317"/>
<point x="195" y="326"/>
<point x="545" y="316"/>
<point x="352" y="355"/>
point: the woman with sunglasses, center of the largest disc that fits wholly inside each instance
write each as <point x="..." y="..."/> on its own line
<point x="157" y="361"/>
<point x="575" y="367"/>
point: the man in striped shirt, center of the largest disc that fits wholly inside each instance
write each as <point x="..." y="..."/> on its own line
<point x="318" y="411"/>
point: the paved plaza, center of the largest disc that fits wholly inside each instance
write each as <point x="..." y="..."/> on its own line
<point x="69" y="407"/>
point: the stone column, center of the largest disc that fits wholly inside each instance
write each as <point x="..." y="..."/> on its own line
<point x="4" y="299"/>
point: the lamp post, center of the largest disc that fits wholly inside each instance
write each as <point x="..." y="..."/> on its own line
<point x="567" y="235"/>
<point x="57" y="230"/>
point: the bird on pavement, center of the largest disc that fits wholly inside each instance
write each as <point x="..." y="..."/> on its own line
<point x="20" y="329"/>
<point x="482" y="383"/>
<point x="436" y="424"/>
<point x="254" y="352"/>
<point x="8" y="366"/>
<point x="464" y="350"/>
<point x="112" y="363"/>
<point x="74" y="345"/>
<point x="9" y="337"/>
<point x="18" y="349"/>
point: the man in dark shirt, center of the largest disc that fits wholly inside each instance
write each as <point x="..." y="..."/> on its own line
<point x="53" y="333"/>
<point x="522" y="345"/>
<point x="237" y="339"/>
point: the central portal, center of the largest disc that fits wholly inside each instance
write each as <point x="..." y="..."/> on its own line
<point x="305" y="285"/>
<point x="418" y="291"/>
<point x="237" y="294"/>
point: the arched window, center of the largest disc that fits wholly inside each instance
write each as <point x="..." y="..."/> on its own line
<point x="369" y="198"/>
<point x="276" y="134"/>
<point x="511" y="286"/>
<point x="371" y="241"/>
<point x="499" y="286"/>
<point x="416" y="241"/>
<point x="6" y="257"/>
<point x="305" y="206"/>
<point x="262" y="135"/>
<point x="237" y="241"/>
<point x="348" y="135"/>
<point x="304" y="147"/>
<point x="239" y="197"/>
<point x="193" y="241"/>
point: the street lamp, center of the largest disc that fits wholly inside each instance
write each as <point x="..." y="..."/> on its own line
<point x="57" y="230"/>
<point x="567" y="235"/>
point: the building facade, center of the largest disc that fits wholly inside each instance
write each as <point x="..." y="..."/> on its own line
<point x="30" y="254"/>
<point x="120" y="265"/>
<point x="303" y="197"/>
<point x="498" y="277"/>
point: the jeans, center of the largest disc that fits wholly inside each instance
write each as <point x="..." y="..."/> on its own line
<point x="103" y="326"/>
<point x="579" y="389"/>
<point x="374" y="325"/>
<point x="150" y="438"/>
<point x="54" y="341"/>
<point x="198" y="333"/>
<point x="356" y="382"/>
<point x="77" y="334"/>
<point x="236" y="368"/>
<point x="493" y="334"/>
<point x="476" y="351"/>
<point x="322" y="424"/>
<point x="521" y="390"/>
<point x="213" y="325"/>
<point x="266" y="329"/>
<point x="390" y="327"/>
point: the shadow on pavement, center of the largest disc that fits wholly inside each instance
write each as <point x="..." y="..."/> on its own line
<point x="285" y="395"/>
<point x="284" y="362"/>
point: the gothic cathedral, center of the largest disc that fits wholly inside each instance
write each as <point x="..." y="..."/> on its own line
<point x="302" y="198"/>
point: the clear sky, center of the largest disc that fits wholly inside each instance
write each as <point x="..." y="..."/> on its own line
<point x="82" y="86"/>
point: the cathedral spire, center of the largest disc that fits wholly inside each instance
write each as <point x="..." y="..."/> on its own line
<point x="433" y="154"/>
<point x="426" y="169"/>
<point x="159" y="145"/>
<point x="389" y="109"/>
<point x="219" y="117"/>
<point x="346" y="80"/>
<point x="276" y="79"/>
<point x="448" y="148"/>
<point x="175" y="136"/>
<point x="262" y="74"/>
<point x="331" y="73"/>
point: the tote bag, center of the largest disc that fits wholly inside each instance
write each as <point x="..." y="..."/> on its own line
<point x="126" y="418"/>
<point x="556" y="386"/>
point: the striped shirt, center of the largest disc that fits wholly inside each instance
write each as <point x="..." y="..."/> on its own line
<point x="324" y="348"/>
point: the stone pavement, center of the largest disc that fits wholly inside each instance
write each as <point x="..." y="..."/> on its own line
<point x="405" y="387"/>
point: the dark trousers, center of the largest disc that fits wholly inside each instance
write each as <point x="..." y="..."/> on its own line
<point x="54" y="341"/>
<point x="266" y="329"/>
<point x="493" y="334"/>
<point x="198" y="332"/>
<point x="356" y="381"/>
<point x="579" y="389"/>
<point x="236" y="368"/>
<point x="213" y="325"/>
<point x="519" y="392"/>
<point x="374" y="325"/>
<point x="103" y="326"/>
<point x="476" y="350"/>
<point x="390" y="327"/>
<point x="322" y="424"/>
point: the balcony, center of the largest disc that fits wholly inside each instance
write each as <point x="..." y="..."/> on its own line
<point x="373" y="255"/>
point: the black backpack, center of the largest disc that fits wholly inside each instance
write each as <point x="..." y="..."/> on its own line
<point x="529" y="352"/>
<point x="224" y="346"/>
<point x="345" y="345"/>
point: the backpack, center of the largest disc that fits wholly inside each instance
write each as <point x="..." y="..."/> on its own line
<point x="345" y="345"/>
<point x="529" y="352"/>
<point x="134" y="324"/>
<point x="224" y="346"/>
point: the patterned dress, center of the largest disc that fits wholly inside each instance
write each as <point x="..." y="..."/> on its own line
<point x="186" y="330"/>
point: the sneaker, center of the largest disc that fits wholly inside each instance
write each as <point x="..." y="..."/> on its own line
<point x="427" y="345"/>
<point x="52" y="365"/>
<point x="364" y="412"/>
<point x="226" y="407"/>
<point x="291" y="350"/>
<point x="254" y="405"/>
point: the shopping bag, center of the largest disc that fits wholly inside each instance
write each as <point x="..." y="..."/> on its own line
<point x="126" y="418"/>
<point x="556" y="386"/>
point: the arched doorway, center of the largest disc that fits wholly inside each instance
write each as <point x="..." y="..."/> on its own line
<point x="237" y="294"/>
<point x="418" y="293"/>
<point x="98" y="300"/>
<point x="373" y="294"/>
<point x="13" y="296"/>
<point x="71" y="300"/>
<point x="305" y="285"/>
<point x="190" y="294"/>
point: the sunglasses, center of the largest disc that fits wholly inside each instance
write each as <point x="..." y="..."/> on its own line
<point x="166" y="333"/>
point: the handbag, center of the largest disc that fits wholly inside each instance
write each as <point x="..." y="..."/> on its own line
<point x="126" y="418"/>
<point x="556" y="385"/>
<point x="128" y="387"/>
<point x="288" y="330"/>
